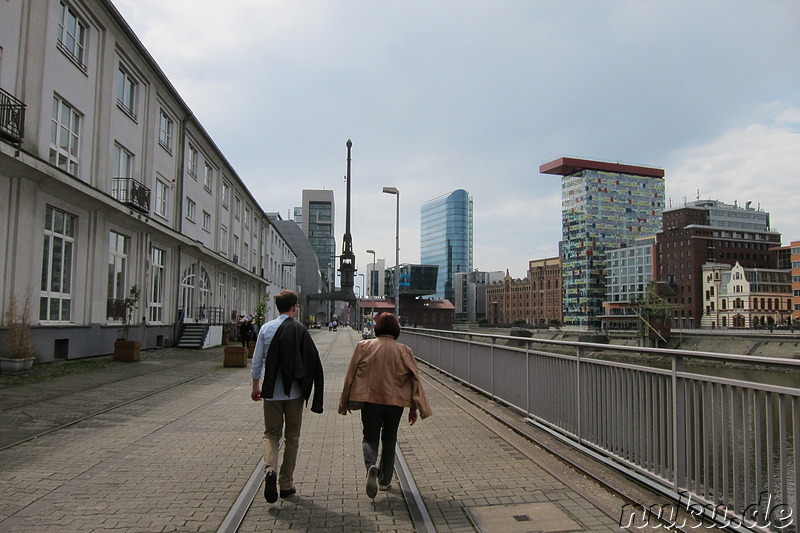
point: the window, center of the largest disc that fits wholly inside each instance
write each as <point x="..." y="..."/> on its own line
<point x="236" y="249"/>
<point x="223" y="240"/>
<point x="64" y="136"/>
<point x="207" y="221"/>
<point x="226" y="193"/>
<point x="117" y="290"/>
<point x="161" y="198"/>
<point x="222" y="291"/>
<point x="165" y="126"/>
<point x="208" y="177"/>
<point x="55" y="299"/>
<point x="157" y="267"/>
<point x="123" y="167"/>
<point x="191" y="208"/>
<point x="237" y="208"/>
<point x="191" y="162"/>
<point x="123" y="162"/>
<point x="247" y="217"/>
<point x="72" y="36"/>
<point x="126" y="92"/>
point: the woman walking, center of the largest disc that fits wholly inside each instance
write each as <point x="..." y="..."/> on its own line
<point x="381" y="380"/>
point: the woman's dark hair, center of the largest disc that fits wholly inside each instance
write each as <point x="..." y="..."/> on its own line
<point x="387" y="324"/>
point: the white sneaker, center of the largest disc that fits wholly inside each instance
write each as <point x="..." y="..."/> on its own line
<point x="385" y="487"/>
<point x="372" y="481"/>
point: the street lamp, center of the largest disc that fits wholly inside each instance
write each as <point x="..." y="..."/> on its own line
<point x="372" y="292"/>
<point x="396" y="192"/>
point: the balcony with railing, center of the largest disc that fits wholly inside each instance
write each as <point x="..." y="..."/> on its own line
<point x="131" y="193"/>
<point x="12" y="118"/>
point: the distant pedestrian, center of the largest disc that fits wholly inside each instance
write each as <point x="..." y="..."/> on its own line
<point x="245" y="330"/>
<point x="381" y="380"/>
<point x="292" y="367"/>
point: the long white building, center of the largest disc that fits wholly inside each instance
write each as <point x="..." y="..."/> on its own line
<point x="107" y="180"/>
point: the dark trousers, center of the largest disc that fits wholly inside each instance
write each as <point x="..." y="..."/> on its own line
<point x="380" y="422"/>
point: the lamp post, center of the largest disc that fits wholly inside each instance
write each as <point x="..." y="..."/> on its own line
<point x="371" y="292"/>
<point x="396" y="192"/>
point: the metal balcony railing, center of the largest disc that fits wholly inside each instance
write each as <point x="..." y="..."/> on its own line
<point x="132" y="193"/>
<point x="12" y="117"/>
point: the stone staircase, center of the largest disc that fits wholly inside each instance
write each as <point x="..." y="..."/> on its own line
<point x="193" y="336"/>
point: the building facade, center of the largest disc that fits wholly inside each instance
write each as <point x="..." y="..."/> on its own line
<point x="109" y="182"/>
<point x="509" y="301"/>
<point x="446" y="238"/>
<point x="629" y="271"/>
<point x="603" y="205"/>
<point x="738" y="297"/>
<point x="546" y="304"/>
<point x="470" y="294"/>
<point x="705" y="231"/>
<point x="317" y="221"/>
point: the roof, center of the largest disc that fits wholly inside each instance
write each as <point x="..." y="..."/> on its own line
<point x="564" y="166"/>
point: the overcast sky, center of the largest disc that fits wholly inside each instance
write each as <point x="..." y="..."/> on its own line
<point x="442" y="95"/>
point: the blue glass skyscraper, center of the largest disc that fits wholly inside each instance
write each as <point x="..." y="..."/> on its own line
<point x="446" y="238"/>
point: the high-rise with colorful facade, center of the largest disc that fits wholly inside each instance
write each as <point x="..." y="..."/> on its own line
<point x="446" y="238"/>
<point x="603" y="205"/>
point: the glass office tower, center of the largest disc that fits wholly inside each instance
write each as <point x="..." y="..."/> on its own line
<point x="318" y="225"/>
<point x="446" y="238"/>
<point x="603" y="205"/>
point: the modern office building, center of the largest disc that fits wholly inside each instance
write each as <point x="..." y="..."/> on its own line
<point x="110" y="183"/>
<point x="603" y="205"/>
<point x="712" y="231"/>
<point x="446" y="238"/>
<point x="470" y="293"/>
<point x="318" y="217"/>
<point x="630" y="269"/>
<point x="376" y="274"/>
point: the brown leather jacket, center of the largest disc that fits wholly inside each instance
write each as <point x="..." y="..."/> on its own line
<point x="384" y="371"/>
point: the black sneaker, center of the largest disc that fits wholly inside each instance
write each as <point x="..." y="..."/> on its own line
<point x="271" y="487"/>
<point x="372" y="481"/>
<point x="288" y="492"/>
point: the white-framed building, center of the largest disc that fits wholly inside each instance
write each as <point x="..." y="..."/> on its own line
<point x="107" y="180"/>
<point x="738" y="297"/>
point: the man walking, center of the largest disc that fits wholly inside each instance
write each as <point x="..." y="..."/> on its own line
<point x="291" y="366"/>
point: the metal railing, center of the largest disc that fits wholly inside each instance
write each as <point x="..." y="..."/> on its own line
<point x="132" y="193"/>
<point x="12" y="117"/>
<point x="723" y="443"/>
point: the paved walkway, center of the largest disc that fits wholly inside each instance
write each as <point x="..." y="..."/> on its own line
<point x="177" y="459"/>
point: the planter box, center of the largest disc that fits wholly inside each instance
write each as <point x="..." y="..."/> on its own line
<point x="235" y="356"/>
<point x="127" y="351"/>
<point x="15" y="366"/>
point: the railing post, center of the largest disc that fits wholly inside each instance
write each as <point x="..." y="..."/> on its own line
<point x="678" y="424"/>
<point x="578" y="406"/>
<point x="491" y="369"/>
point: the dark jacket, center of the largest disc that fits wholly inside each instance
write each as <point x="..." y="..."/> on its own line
<point x="294" y="352"/>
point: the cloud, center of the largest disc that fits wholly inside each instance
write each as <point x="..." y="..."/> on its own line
<point x="755" y="163"/>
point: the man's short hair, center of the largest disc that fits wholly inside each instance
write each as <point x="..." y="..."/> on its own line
<point x="285" y="300"/>
<point x="387" y="324"/>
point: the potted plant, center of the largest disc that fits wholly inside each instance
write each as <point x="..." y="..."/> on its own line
<point x="125" y="350"/>
<point x="18" y="354"/>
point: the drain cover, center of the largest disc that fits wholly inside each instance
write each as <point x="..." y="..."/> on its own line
<point x="524" y="518"/>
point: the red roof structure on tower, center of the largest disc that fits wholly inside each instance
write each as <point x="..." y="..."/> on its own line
<point x="564" y="166"/>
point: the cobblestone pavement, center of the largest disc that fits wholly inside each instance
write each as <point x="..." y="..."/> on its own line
<point x="179" y="451"/>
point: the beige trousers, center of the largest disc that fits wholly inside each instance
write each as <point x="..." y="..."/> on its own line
<point x="282" y="418"/>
